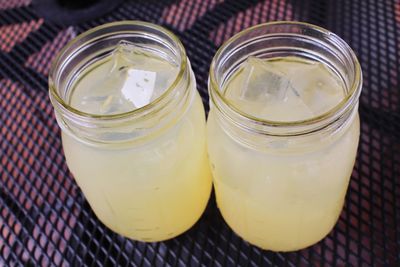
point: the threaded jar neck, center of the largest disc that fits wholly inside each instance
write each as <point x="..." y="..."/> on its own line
<point x="98" y="43"/>
<point x="282" y="39"/>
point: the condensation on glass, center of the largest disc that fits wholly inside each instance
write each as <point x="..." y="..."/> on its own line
<point x="133" y="128"/>
<point x="283" y="132"/>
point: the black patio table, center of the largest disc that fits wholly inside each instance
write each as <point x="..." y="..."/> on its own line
<point x="45" y="219"/>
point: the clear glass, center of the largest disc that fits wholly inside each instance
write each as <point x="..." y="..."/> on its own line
<point x="144" y="172"/>
<point x="281" y="184"/>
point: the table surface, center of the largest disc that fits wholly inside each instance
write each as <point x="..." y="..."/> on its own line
<point x="44" y="218"/>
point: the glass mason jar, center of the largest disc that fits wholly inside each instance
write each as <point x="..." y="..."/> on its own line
<point x="145" y="171"/>
<point x="281" y="185"/>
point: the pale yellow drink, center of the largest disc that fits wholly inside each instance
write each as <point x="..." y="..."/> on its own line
<point x="152" y="190"/>
<point x="286" y="194"/>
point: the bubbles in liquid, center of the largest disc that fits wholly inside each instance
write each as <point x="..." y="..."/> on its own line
<point x="284" y="89"/>
<point x="130" y="78"/>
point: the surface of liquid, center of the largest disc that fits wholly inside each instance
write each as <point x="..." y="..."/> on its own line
<point x="287" y="197"/>
<point x="284" y="89"/>
<point x="152" y="191"/>
<point x="130" y="78"/>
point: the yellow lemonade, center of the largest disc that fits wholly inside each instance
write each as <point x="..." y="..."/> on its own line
<point x="152" y="190"/>
<point x="287" y="193"/>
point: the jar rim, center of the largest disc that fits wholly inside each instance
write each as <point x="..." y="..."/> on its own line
<point x="351" y="96"/>
<point x="144" y="109"/>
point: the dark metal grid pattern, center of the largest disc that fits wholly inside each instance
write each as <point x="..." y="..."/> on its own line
<point x="44" y="218"/>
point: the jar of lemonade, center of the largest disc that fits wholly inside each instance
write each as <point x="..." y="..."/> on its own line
<point x="283" y="132"/>
<point x="133" y="128"/>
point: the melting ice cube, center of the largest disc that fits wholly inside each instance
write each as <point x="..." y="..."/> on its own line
<point x="130" y="78"/>
<point x="285" y="89"/>
<point x="264" y="89"/>
<point x="317" y="86"/>
<point x="139" y="86"/>
<point x="125" y="55"/>
<point x="263" y="81"/>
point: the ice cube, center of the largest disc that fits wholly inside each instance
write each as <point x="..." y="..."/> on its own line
<point x="130" y="78"/>
<point x="101" y="95"/>
<point x="268" y="84"/>
<point x="127" y="55"/>
<point x="295" y="102"/>
<point x="263" y="81"/>
<point x="139" y="86"/>
<point x="316" y="85"/>
<point x="126" y="86"/>
<point x="284" y="89"/>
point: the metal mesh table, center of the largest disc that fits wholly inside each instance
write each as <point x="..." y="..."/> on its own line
<point x="44" y="218"/>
